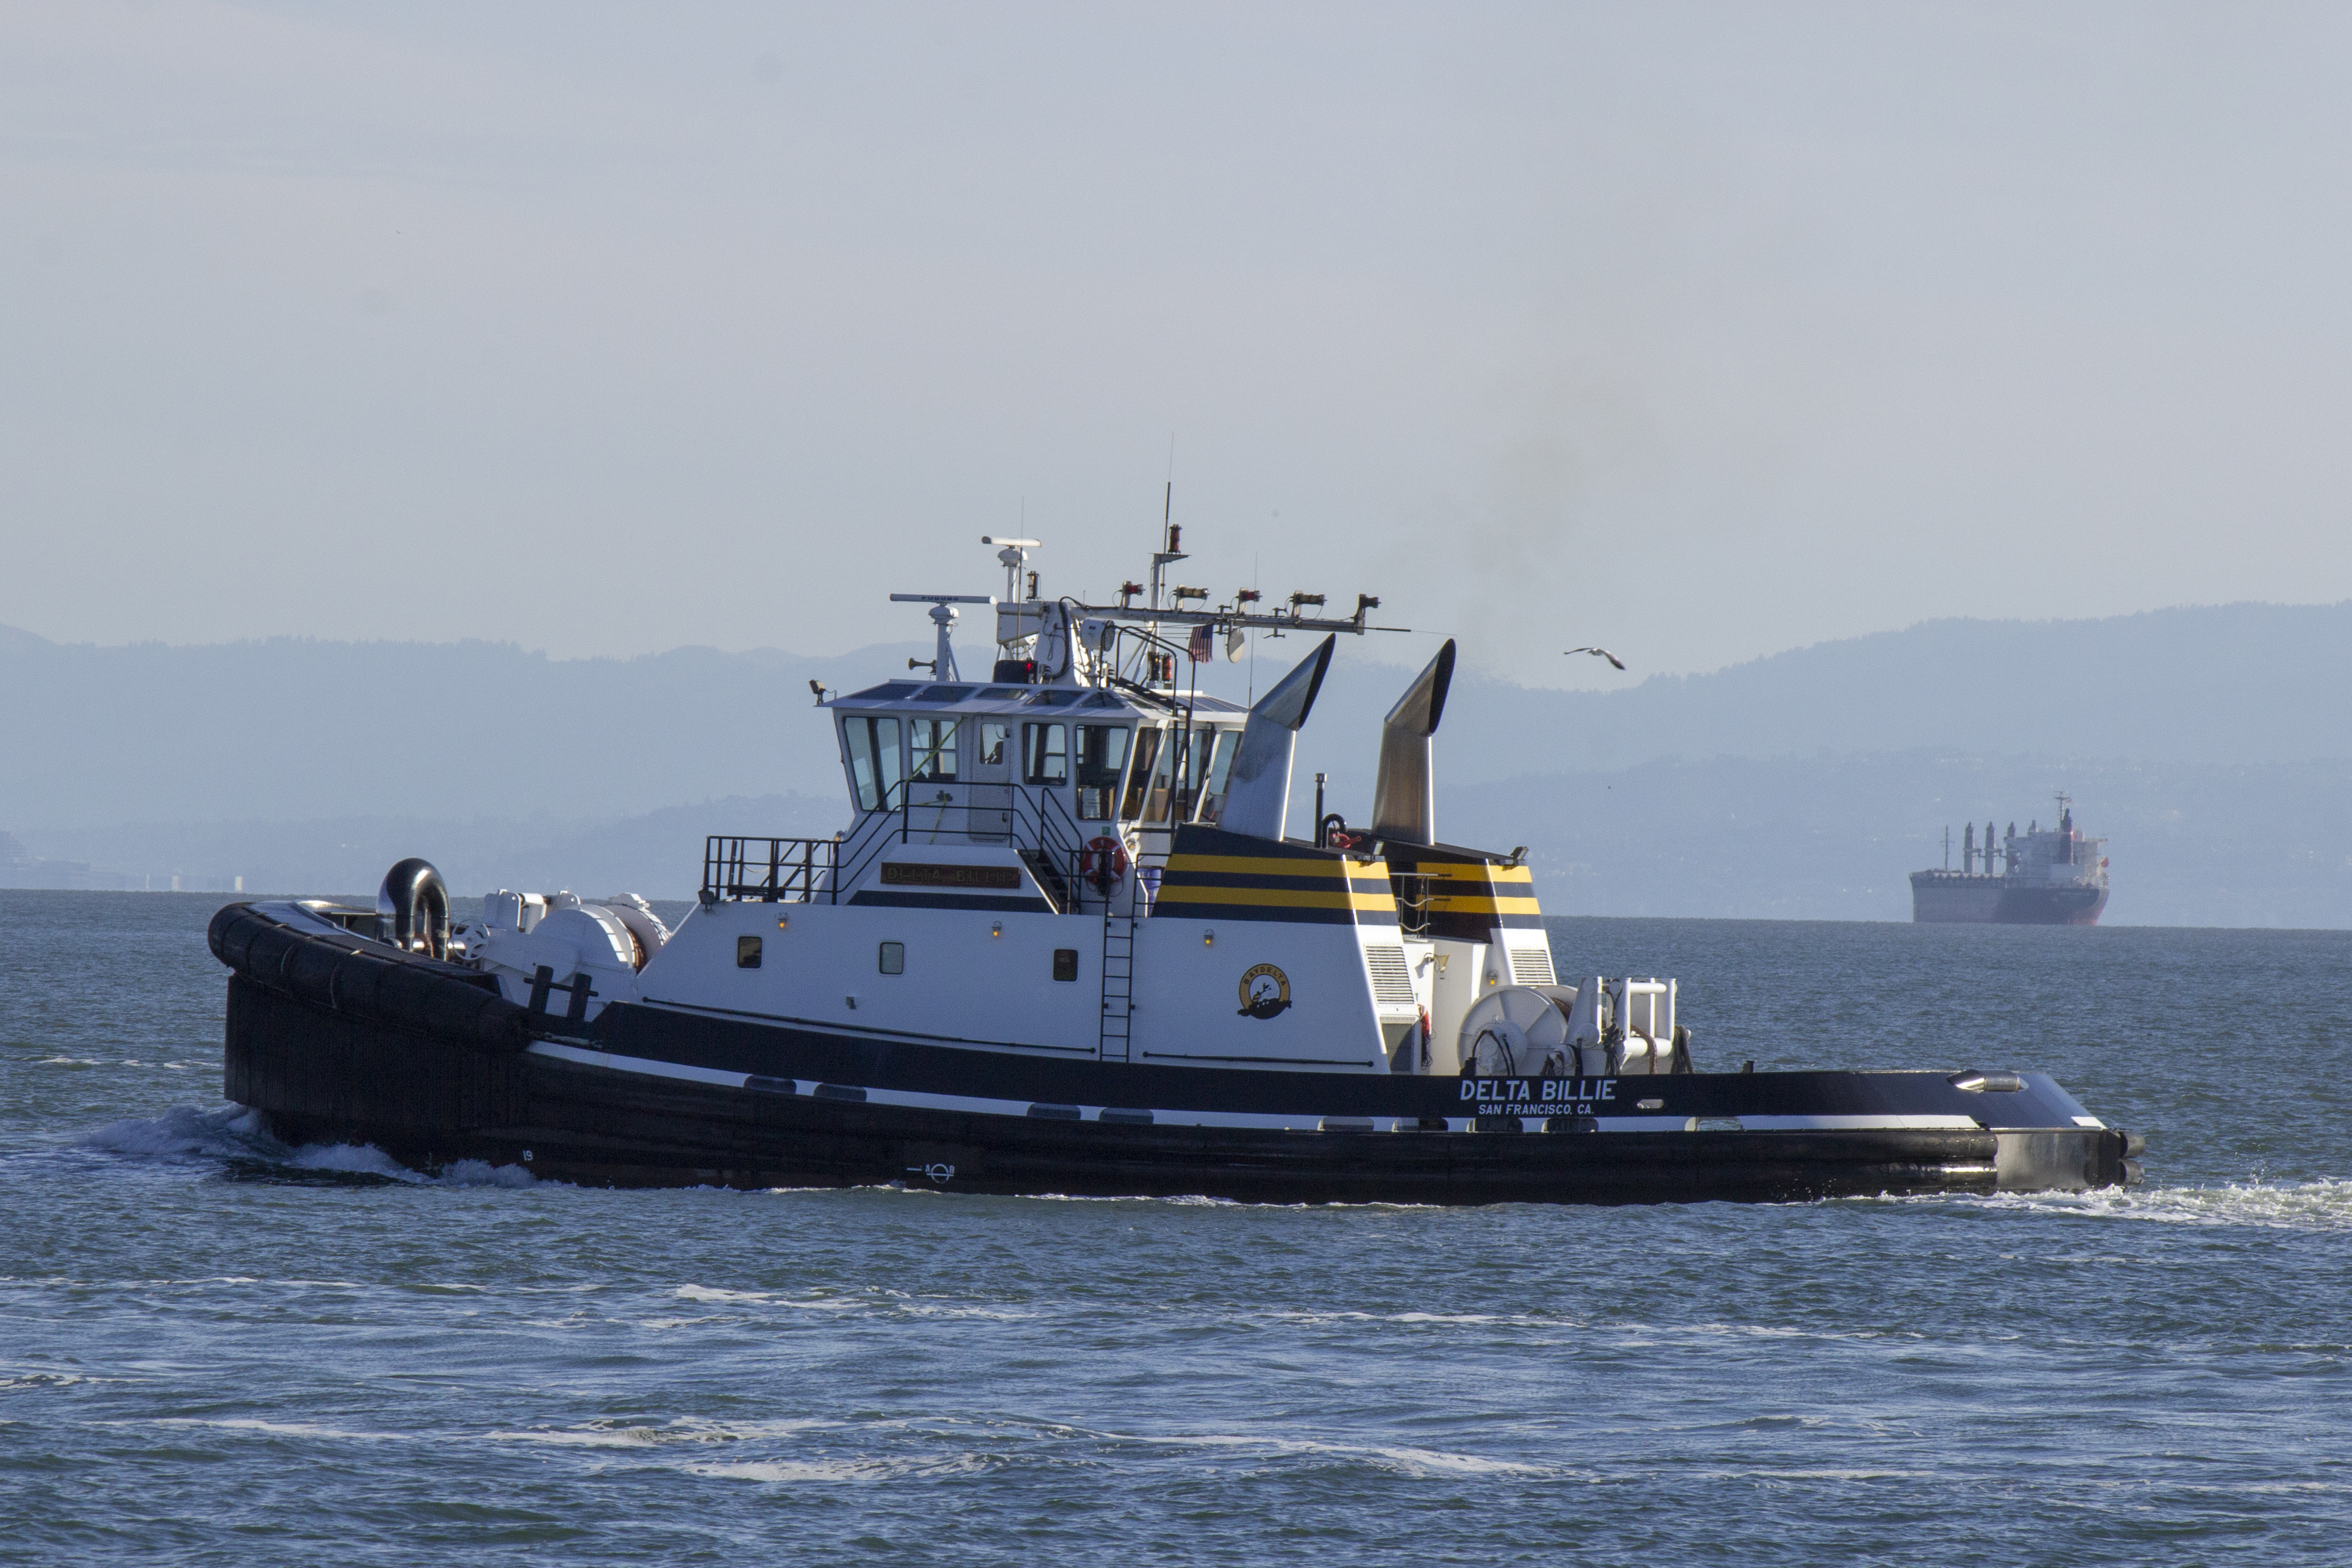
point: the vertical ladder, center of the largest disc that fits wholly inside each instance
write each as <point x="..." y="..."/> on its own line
<point x="1118" y="984"/>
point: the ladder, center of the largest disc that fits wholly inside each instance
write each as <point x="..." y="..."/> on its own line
<point x="1118" y="984"/>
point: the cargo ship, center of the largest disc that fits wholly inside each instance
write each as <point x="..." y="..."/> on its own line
<point x="2031" y="879"/>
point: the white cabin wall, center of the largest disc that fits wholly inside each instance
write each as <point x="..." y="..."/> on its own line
<point x="959" y="978"/>
<point x="1188" y="997"/>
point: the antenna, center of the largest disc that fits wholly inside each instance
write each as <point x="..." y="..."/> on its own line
<point x="941" y="664"/>
<point x="1171" y="535"/>
<point x="1014" y="555"/>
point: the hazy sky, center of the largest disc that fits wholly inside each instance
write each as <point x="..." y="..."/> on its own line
<point x="1701" y="331"/>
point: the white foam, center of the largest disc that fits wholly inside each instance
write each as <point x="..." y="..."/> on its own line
<point x="228" y="1132"/>
<point x="236" y="1132"/>
<point x="711" y="1293"/>
<point x="841" y="1471"/>
<point x="2322" y="1204"/>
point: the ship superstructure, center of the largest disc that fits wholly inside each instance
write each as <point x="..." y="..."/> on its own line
<point x="2053" y="878"/>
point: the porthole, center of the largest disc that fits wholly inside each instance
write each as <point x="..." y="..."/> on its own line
<point x="893" y="958"/>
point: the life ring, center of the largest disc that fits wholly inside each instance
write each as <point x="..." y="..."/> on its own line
<point x="1103" y="859"/>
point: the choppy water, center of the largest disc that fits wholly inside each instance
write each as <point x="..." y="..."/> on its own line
<point x="214" y="1349"/>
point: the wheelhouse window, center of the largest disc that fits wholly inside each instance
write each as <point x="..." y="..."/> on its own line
<point x="931" y="750"/>
<point x="876" y="769"/>
<point x="1217" y="775"/>
<point x="1044" y="754"/>
<point x="1158" y="795"/>
<point x="993" y="739"/>
<point x="1102" y="755"/>
<point x="1139" y="778"/>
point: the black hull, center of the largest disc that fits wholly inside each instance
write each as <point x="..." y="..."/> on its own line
<point x="332" y="1046"/>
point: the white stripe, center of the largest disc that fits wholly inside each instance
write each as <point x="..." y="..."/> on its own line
<point x="1861" y="1123"/>
<point x="1295" y="1122"/>
<point x="650" y="1068"/>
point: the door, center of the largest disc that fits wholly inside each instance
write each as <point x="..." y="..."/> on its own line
<point x="991" y="775"/>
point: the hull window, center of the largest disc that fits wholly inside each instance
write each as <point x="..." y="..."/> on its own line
<point x="1065" y="963"/>
<point x="747" y="952"/>
<point x="876" y="770"/>
<point x="893" y="958"/>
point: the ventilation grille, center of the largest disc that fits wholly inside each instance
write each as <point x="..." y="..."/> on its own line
<point x="1531" y="966"/>
<point x="1391" y="981"/>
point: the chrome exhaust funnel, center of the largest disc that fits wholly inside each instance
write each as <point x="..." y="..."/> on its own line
<point x="1257" y="797"/>
<point x="1405" y="793"/>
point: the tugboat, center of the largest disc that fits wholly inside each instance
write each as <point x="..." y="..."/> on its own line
<point x="1064" y="944"/>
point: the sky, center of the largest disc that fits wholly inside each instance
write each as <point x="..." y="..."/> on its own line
<point x="1700" y="330"/>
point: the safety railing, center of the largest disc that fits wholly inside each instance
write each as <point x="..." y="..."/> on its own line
<point x="771" y="870"/>
<point x="1037" y="824"/>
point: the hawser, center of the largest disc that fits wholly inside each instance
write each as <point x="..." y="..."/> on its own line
<point x="1063" y="944"/>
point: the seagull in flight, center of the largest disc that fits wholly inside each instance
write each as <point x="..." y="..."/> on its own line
<point x="1601" y="652"/>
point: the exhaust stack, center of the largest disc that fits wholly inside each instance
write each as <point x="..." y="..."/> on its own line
<point x="1257" y="797"/>
<point x="1404" y="795"/>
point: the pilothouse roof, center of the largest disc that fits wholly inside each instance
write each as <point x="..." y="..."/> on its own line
<point x="968" y="698"/>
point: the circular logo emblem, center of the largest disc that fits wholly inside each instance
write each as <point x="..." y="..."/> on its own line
<point x="1266" y="991"/>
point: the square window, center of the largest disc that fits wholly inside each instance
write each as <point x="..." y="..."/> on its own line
<point x="893" y="958"/>
<point x="1065" y="963"/>
<point x="747" y="952"/>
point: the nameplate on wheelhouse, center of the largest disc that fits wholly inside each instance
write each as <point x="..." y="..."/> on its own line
<point x="901" y="874"/>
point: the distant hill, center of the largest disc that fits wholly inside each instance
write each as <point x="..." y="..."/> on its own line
<point x="299" y="728"/>
<point x="294" y="728"/>
<point x="2251" y="683"/>
<point x="2222" y="843"/>
<point x="2204" y="742"/>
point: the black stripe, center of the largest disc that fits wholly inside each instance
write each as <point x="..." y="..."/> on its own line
<point x="1175" y="877"/>
<point x="1300" y="914"/>
<point x="954" y="901"/>
<point x="821" y="1055"/>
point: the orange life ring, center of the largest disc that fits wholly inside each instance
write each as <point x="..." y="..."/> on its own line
<point x="1104" y="859"/>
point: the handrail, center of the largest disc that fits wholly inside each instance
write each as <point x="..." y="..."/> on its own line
<point x="1037" y="824"/>
<point x="793" y="870"/>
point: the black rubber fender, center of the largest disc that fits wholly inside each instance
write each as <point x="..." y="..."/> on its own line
<point x="406" y="992"/>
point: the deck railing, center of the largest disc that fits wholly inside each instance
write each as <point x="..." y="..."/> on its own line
<point x="1037" y="824"/>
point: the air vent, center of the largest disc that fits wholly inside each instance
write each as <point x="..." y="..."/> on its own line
<point x="1391" y="981"/>
<point x="1531" y="966"/>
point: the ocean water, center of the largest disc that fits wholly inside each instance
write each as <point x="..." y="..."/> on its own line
<point x="214" y="1349"/>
